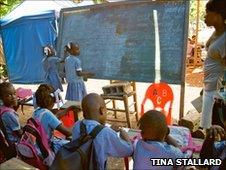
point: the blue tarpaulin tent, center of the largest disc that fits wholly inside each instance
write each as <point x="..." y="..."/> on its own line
<point x="24" y="32"/>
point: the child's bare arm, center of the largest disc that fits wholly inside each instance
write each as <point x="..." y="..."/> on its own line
<point x="85" y="74"/>
<point x="124" y="135"/>
<point x="61" y="113"/>
<point x="66" y="131"/>
<point x="170" y="140"/>
<point x="122" y="132"/>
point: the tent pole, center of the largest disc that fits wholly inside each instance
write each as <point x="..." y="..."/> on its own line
<point x="197" y="32"/>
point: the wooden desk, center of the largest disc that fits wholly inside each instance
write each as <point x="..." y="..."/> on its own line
<point x="179" y="133"/>
<point x="15" y="163"/>
<point x="73" y="105"/>
<point x="27" y="102"/>
<point x="69" y="103"/>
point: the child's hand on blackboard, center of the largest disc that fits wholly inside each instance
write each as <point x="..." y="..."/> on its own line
<point x="86" y="75"/>
<point x="91" y="74"/>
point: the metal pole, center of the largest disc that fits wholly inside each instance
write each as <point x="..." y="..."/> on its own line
<point x="182" y="90"/>
<point x="197" y="32"/>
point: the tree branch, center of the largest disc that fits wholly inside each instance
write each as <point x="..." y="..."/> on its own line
<point x="2" y="3"/>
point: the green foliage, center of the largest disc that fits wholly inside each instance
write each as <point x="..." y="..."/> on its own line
<point x="193" y="10"/>
<point x="4" y="9"/>
<point x="3" y="71"/>
<point x="193" y="7"/>
<point x="99" y="1"/>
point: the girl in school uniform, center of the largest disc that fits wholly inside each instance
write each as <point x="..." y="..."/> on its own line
<point x="9" y="118"/>
<point x="50" y="65"/>
<point x="76" y="89"/>
<point x="45" y="100"/>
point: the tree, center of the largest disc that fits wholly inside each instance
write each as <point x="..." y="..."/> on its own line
<point x="7" y="5"/>
<point x="193" y="16"/>
<point x="193" y="10"/>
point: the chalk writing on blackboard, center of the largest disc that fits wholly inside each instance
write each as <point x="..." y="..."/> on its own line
<point x="118" y="40"/>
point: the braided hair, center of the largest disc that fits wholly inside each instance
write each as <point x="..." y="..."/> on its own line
<point x="70" y="46"/>
<point x="45" y="96"/>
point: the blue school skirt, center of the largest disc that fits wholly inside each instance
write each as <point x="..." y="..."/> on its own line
<point x="76" y="91"/>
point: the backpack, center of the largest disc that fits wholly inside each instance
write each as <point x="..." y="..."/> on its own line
<point x="34" y="148"/>
<point x="78" y="154"/>
<point x="7" y="149"/>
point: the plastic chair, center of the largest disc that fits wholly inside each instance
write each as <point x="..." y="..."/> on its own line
<point x="160" y="94"/>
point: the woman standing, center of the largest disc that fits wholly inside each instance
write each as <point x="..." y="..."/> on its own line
<point x="215" y="62"/>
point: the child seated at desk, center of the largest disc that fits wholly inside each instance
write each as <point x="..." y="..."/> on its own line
<point x="154" y="131"/>
<point x="45" y="100"/>
<point x="9" y="118"/>
<point x="107" y="142"/>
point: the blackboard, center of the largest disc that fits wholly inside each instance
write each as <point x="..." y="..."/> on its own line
<point x="131" y="40"/>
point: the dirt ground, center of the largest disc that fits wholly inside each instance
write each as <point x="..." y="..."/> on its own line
<point x="194" y="76"/>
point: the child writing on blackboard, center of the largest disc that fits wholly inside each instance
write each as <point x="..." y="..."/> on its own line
<point x="50" y="65"/>
<point x="76" y="89"/>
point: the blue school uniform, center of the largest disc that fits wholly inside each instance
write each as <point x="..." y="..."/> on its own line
<point x="49" y="122"/>
<point x="107" y="142"/>
<point x="76" y="89"/>
<point x="220" y="147"/>
<point x="50" y="65"/>
<point x="144" y="151"/>
<point x="11" y="123"/>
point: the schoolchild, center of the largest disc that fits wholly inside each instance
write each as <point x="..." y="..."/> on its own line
<point x="45" y="101"/>
<point x="76" y="89"/>
<point x="108" y="142"/>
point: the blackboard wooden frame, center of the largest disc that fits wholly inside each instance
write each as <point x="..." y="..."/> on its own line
<point x="67" y="11"/>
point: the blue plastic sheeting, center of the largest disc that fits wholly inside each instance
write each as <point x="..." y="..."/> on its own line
<point x="24" y="32"/>
<point x="23" y="41"/>
<point x="33" y="8"/>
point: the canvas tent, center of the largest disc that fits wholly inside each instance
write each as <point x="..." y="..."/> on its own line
<point x="24" y="32"/>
